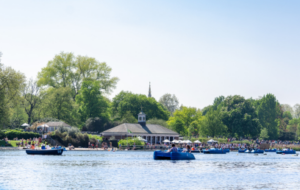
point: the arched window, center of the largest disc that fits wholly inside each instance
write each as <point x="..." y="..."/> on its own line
<point x="143" y="118"/>
<point x="140" y="118"/>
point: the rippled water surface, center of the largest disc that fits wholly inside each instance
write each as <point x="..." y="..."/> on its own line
<point x="138" y="170"/>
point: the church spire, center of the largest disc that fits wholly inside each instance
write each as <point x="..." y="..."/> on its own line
<point x="149" y="94"/>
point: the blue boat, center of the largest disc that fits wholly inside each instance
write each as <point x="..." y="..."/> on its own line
<point x="271" y="150"/>
<point x="286" y="151"/>
<point x="214" y="151"/>
<point x="256" y="151"/>
<point x="45" y="152"/>
<point x="242" y="150"/>
<point x="160" y="155"/>
<point x="226" y="149"/>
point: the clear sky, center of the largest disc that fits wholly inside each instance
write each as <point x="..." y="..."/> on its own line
<point x="197" y="50"/>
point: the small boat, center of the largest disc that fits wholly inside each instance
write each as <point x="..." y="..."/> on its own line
<point x="286" y="151"/>
<point x="226" y="149"/>
<point x="160" y="155"/>
<point x="242" y="150"/>
<point x="271" y="150"/>
<point x="45" y="152"/>
<point x="256" y="151"/>
<point x="195" y="151"/>
<point x="214" y="151"/>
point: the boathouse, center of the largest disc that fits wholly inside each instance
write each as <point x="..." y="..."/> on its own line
<point x="153" y="133"/>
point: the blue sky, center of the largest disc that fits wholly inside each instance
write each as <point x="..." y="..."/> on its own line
<point x="197" y="50"/>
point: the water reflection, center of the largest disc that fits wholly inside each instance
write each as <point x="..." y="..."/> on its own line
<point x="138" y="170"/>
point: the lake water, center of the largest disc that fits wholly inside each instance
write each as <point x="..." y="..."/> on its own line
<point x="138" y="170"/>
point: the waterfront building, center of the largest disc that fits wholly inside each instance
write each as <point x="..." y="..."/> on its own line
<point x="153" y="133"/>
<point x="52" y="126"/>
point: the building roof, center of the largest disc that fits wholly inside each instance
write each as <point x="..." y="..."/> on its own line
<point x="57" y="124"/>
<point x="132" y="128"/>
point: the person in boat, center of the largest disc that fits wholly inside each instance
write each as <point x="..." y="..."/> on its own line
<point x="173" y="149"/>
<point x="32" y="147"/>
<point x="188" y="149"/>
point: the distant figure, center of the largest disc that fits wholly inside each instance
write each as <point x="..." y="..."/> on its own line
<point x="173" y="149"/>
<point x="32" y="147"/>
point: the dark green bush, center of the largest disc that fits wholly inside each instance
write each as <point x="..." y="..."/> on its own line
<point x="2" y="135"/>
<point x="11" y="134"/>
<point x="130" y="142"/>
<point x="73" y="136"/>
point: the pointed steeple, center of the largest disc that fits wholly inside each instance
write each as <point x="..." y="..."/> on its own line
<point x="149" y="93"/>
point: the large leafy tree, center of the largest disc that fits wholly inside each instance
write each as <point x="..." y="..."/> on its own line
<point x="240" y="117"/>
<point x="216" y="105"/>
<point x="58" y="103"/>
<point x="267" y="113"/>
<point x="127" y="101"/>
<point x="296" y="110"/>
<point x="170" y="102"/>
<point x="31" y="98"/>
<point x="66" y="70"/>
<point x="91" y="102"/>
<point x="212" y="124"/>
<point x="189" y="117"/>
<point x="11" y="83"/>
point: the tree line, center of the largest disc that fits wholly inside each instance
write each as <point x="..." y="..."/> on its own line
<point x="74" y="89"/>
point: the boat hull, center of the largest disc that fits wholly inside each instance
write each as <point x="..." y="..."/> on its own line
<point x="214" y="151"/>
<point x="159" y="155"/>
<point x="45" y="152"/>
<point x="267" y="150"/>
<point x="242" y="151"/>
<point x="256" y="152"/>
<point x="286" y="152"/>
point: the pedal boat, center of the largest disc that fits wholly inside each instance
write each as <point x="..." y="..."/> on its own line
<point x="160" y="155"/>
<point x="214" y="151"/>
<point x="286" y="151"/>
<point x="271" y="150"/>
<point x="256" y="151"/>
<point x="242" y="150"/>
<point x="45" y="151"/>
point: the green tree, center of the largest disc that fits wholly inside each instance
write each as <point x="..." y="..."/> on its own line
<point x="129" y="118"/>
<point x="66" y="70"/>
<point x="296" y="110"/>
<point x="17" y="116"/>
<point x="11" y="83"/>
<point x="178" y="126"/>
<point x="240" y="117"/>
<point x="193" y="129"/>
<point x="127" y="101"/>
<point x="59" y="104"/>
<point x="216" y="105"/>
<point x="189" y="117"/>
<point x="264" y="134"/>
<point x="31" y="98"/>
<point x="267" y="113"/>
<point x="160" y="122"/>
<point x="170" y="102"/>
<point x="212" y="124"/>
<point x="91" y="102"/>
<point x="95" y="124"/>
